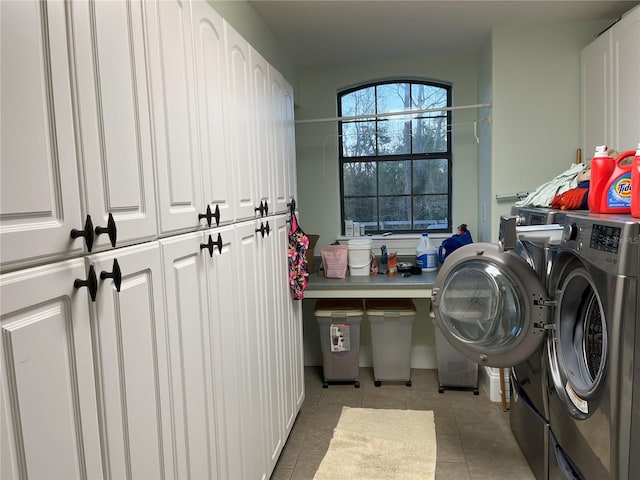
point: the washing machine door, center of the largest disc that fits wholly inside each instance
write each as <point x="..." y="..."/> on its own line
<point x="578" y="346"/>
<point x="490" y="305"/>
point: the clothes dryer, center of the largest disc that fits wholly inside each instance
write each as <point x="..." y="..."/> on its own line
<point x="594" y="347"/>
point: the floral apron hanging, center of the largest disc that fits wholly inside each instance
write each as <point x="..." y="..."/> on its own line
<point x="298" y="270"/>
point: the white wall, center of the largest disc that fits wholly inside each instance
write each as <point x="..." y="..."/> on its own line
<point x="535" y="114"/>
<point x="316" y="144"/>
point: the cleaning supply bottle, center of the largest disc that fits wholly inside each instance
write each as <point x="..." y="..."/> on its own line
<point x="426" y="254"/>
<point x="618" y="188"/>
<point x="601" y="169"/>
<point x="635" y="184"/>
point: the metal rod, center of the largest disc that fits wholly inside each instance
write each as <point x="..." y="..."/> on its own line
<point x="391" y="114"/>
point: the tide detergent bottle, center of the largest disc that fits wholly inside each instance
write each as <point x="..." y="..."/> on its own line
<point x="610" y="186"/>
<point x="635" y="184"/>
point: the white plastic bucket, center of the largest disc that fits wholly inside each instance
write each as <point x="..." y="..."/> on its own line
<point x="359" y="256"/>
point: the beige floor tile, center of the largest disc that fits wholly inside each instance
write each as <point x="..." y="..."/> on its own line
<point x="473" y="434"/>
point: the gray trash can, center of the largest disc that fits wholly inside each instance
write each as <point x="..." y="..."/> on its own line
<point x="454" y="369"/>
<point x="391" y="323"/>
<point x="339" y="323"/>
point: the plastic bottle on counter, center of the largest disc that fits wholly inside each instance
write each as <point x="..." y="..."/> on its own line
<point x="426" y="254"/>
<point x="635" y="185"/>
<point x="601" y="169"/>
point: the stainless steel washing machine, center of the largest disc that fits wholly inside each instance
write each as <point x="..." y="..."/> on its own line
<point x="594" y="371"/>
<point x="491" y="303"/>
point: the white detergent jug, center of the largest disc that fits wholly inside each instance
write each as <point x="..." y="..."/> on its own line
<point x="426" y="254"/>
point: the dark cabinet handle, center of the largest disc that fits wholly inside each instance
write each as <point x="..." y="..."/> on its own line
<point x="115" y="273"/>
<point x="87" y="233"/>
<point x="264" y="229"/>
<point x="209" y="215"/>
<point x="210" y="244"/>
<point x="109" y="229"/>
<point x="263" y="209"/>
<point x="91" y="283"/>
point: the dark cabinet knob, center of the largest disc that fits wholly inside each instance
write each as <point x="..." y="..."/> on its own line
<point x="115" y="273"/>
<point x="86" y="232"/>
<point x="210" y="244"/>
<point x="91" y="283"/>
<point x="209" y="215"/>
<point x="263" y="209"/>
<point x="110" y="229"/>
<point x="264" y="229"/>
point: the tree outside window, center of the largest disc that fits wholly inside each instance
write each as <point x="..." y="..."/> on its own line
<point x="396" y="169"/>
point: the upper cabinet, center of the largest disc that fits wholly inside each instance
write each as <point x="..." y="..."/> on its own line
<point x="610" y="96"/>
<point x="174" y="116"/>
<point x="39" y="193"/>
<point x="625" y="49"/>
<point x="211" y="76"/>
<point x="239" y="122"/>
<point x="112" y="110"/>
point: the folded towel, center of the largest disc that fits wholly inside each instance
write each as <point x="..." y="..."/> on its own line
<point x="543" y="195"/>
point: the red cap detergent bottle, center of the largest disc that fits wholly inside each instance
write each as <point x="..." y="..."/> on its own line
<point x="635" y="184"/>
<point x="612" y="193"/>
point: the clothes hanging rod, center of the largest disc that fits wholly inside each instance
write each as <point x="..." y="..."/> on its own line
<point x="391" y="114"/>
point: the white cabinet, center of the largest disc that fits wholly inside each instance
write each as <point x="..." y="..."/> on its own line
<point x="596" y="87"/>
<point x="279" y="164"/>
<point x="610" y="96"/>
<point x="240" y="123"/>
<point x="263" y="132"/>
<point x="251" y="339"/>
<point x="188" y="320"/>
<point x="49" y="409"/>
<point x="39" y="194"/>
<point x="625" y="52"/>
<point x="211" y="75"/>
<point x="227" y="357"/>
<point x="174" y="117"/>
<point x="112" y="112"/>
<point x="177" y="352"/>
<point x="289" y="128"/>
<point x="131" y="361"/>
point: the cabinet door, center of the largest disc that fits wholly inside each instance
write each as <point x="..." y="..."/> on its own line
<point x="250" y="342"/>
<point x="49" y="409"/>
<point x="275" y="333"/>
<point x="211" y="71"/>
<point x="290" y="140"/>
<point x="289" y="332"/>
<point x="132" y="365"/>
<point x="240" y="123"/>
<point x="174" y="118"/>
<point x="262" y="119"/>
<point x="595" y="63"/>
<point x="280" y="169"/>
<point x="113" y="118"/>
<point x="227" y="356"/>
<point x="190" y="351"/>
<point x="39" y="196"/>
<point x="626" y="73"/>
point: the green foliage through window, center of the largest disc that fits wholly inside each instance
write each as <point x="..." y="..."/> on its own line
<point x="395" y="170"/>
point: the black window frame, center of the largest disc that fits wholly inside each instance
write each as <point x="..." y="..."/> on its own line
<point x="411" y="157"/>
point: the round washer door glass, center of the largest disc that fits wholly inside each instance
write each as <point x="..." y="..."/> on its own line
<point x="483" y="302"/>
<point x="582" y="334"/>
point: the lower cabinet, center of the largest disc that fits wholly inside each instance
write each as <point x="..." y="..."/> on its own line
<point x="49" y="418"/>
<point x="131" y="351"/>
<point x="187" y="364"/>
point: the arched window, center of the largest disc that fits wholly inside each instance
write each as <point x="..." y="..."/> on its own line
<point x="395" y="170"/>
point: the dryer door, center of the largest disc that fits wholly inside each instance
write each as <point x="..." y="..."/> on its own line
<point x="490" y="305"/>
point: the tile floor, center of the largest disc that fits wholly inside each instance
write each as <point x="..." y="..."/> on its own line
<point x="473" y="434"/>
